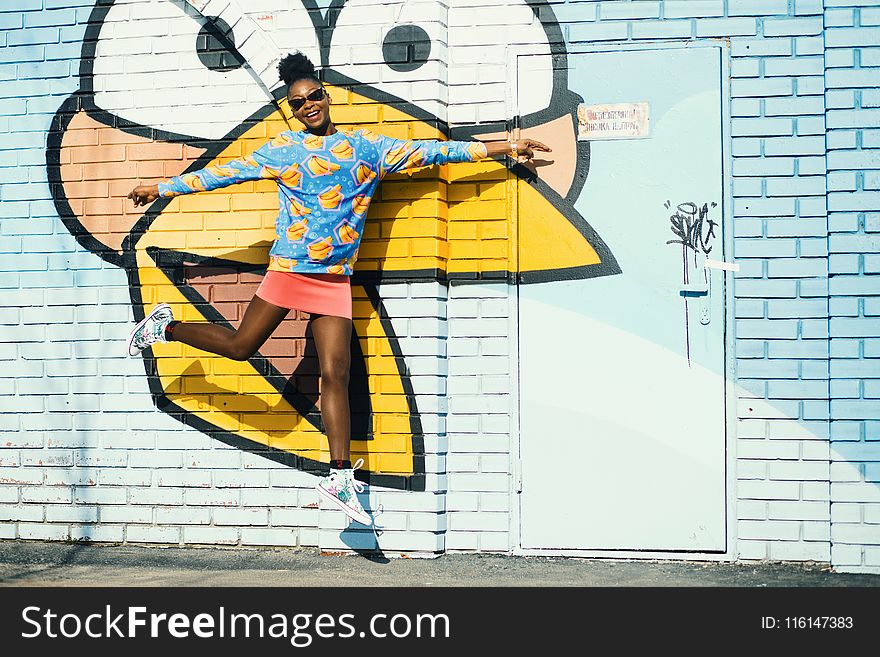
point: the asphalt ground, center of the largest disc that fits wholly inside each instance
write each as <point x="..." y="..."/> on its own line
<point x="43" y="564"/>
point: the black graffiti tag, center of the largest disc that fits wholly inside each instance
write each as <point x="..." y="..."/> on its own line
<point x="692" y="226"/>
<point x="694" y="230"/>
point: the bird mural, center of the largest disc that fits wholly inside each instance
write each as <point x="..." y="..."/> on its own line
<point x="171" y="86"/>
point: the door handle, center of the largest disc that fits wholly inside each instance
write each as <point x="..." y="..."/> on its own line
<point x="703" y="292"/>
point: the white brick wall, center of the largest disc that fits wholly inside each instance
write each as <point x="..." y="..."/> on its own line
<point x="480" y="375"/>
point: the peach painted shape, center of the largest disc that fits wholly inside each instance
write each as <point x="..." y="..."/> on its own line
<point x="105" y="164"/>
<point x="557" y="167"/>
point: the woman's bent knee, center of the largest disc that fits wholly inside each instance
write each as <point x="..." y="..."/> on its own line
<point x="240" y="352"/>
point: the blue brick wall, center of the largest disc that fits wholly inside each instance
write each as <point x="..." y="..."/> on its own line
<point x="781" y="344"/>
<point x="852" y="76"/>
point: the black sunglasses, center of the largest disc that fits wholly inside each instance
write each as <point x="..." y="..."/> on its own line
<point x="317" y="94"/>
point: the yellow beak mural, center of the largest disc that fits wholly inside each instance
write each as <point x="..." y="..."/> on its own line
<point x="204" y="254"/>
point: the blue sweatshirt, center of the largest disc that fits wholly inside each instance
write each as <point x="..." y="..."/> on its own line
<point x="324" y="189"/>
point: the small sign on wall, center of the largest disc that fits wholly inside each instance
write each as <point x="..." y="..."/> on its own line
<point x="613" y="121"/>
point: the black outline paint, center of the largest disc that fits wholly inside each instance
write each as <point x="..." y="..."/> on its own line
<point x="563" y="101"/>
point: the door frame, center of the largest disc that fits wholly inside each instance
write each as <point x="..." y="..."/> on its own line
<point x="729" y="384"/>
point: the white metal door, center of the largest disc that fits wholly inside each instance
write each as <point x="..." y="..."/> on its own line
<point x="622" y="377"/>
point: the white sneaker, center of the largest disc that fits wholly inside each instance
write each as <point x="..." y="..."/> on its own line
<point x="150" y="330"/>
<point x="341" y="488"/>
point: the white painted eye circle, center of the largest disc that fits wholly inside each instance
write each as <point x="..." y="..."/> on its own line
<point x="165" y="66"/>
<point x="459" y="73"/>
<point x="485" y="39"/>
<point x="397" y="48"/>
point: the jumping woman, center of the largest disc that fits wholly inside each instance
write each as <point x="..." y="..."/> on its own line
<point x="326" y="178"/>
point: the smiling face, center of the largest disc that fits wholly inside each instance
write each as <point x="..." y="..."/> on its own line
<point x="313" y="114"/>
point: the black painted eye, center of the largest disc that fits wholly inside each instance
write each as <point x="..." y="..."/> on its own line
<point x="215" y="46"/>
<point x="406" y="47"/>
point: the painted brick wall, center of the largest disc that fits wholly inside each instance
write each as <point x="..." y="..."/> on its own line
<point x="781" y="324"/>
<point x="480" y="427"/>
<point x="781" y="306"/>
<point x="85" y="454"/>
<point x="851" y="79"/>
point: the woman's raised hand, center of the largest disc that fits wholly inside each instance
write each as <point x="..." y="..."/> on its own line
<point x="143" y="194"/>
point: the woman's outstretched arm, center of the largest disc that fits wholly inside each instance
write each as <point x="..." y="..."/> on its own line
<point x="261" y="164"/>
<point x="398" y="154"/>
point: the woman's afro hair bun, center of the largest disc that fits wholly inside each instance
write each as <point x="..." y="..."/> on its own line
<point x="296" y="67"/>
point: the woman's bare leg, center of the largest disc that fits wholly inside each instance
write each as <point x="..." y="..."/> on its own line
<point x="332" y="337"/>
<point x="260" y="319"/>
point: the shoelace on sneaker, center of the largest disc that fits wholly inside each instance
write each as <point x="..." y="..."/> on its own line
<point x="357" y="485"/>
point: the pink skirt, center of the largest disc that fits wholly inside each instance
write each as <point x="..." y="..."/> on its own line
<point x="318" y="294"/>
